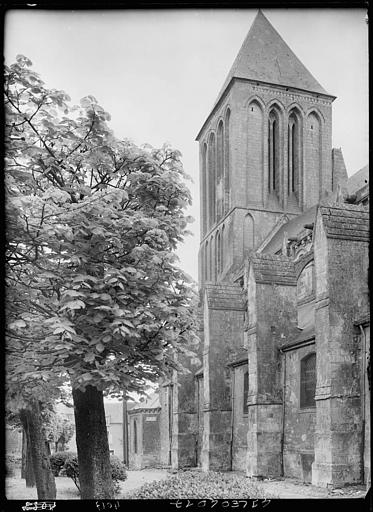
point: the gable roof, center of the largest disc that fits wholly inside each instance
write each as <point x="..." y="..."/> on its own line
<point x="264" y="56"/>
<point x="358" y="180"/>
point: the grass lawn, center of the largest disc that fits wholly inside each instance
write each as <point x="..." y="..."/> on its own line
<point x="15" y="489"/>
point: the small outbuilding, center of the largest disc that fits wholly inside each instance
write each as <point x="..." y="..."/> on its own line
<point x="144" y="434"/>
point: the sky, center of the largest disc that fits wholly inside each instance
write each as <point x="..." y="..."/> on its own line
<point x="158" y="73"/>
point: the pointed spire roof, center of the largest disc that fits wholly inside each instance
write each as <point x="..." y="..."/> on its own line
<point x="264" y="56"/>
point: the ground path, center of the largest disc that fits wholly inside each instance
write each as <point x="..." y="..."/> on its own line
<point x="293" y="489"/>
<point x="283" y="489"/>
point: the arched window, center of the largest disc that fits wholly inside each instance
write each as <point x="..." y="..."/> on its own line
<point x="223" y="243"/>
<point x="226" y="162"/>
<point x="205" y="188"/>
<point x="135" y="447"/>
<point x="248" y="234"/>
<point x="313" y="159"/>
<point x="294" y="157"/>
<point x="216" y="256"/>
<point x="212" y="260"/>
<point x="245" y="391"/>
<point x="220" y="171"/>
<point x="211" y="180"/>
<point x="273" y="151"/>
<point x="206" y="262"/>
<point x="308" y="380"/>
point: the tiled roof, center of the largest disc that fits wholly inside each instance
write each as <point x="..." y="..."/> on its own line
<point x="264" y="56"/>
<point x="358" y="180"/>
<point x="304" y="335"/>
<point x="150" y="403"/>
<point x="239" y="356"/>
<point x="272" y="268"/>
<point x="346" y="221"/>
<point x="224" y="296"/>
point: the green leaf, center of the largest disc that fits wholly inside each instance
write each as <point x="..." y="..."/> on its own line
<point x="18" y="324"/>
<point x="74" y="304"/>
<point x="100" y="347"/>
<point x="90" y="357"/>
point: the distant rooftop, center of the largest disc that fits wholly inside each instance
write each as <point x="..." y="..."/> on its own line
<point x="358" y="180"/>
<point x="150" y="403"/>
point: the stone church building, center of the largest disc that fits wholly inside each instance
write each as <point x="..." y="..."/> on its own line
<point x="283" y="278"/>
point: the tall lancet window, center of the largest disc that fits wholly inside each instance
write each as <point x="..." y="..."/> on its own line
<point x="207" y="262"/>
<point x="293" y="154"/>
<point x="273" y="152"/>
<point x="218" y="254"/>
<point x="226" y="163"/>
<point x="205" y="189"/>
<point x="220" y="171"/>
<point x="211" y="180"/>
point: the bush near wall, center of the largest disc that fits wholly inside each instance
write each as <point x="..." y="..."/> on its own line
<point x="118" y="470"/>
<point x="198" y="485"/>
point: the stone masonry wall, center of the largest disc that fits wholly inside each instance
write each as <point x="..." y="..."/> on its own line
<point x="223" y="331"/>
<point x="299" y="423"/>
<point x="341" y="296"/>
<point x="272" y="322"/>
<point x="248" y="185"/>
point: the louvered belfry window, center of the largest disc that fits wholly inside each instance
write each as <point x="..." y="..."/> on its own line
<point x="308" y="381"/>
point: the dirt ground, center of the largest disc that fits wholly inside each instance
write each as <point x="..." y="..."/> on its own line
<point x="283" y="489"/>
<point x="293" y="489"/>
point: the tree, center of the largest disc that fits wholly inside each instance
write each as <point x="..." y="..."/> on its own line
<point x="92" y="226"/>
<point x="27" y="400"/>
<point x="59" y="430"/>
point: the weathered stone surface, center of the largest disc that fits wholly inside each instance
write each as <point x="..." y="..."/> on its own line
<point x="341" y="265"/>
<point x="283" y="274"/>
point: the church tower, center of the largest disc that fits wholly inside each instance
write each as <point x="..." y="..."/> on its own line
<point x="265" y="151"/>
<point x="265" y="158"/>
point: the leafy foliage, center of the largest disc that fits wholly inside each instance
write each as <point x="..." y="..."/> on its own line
<point x="58" y="428"/>
<point x="71" y="468"/>
<point x="198" y="485"/>
<point x="58" y="460"/>
<point x="93" y="290"/>
<point x="12" y="462"/>
<point x="118" y="470"/>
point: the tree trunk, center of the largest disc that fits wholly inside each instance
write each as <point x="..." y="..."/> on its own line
<point x="27" y="471"/>
<point x="45" y="483"/>
<point x="92" y="444"/>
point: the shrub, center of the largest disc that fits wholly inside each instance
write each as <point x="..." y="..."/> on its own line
<point x="12" y="462"/>
<point x="194" y="484"/>
<point x="58" y="460"/>
<point x="71" y="468"/>
<point x="118" y="470"/>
